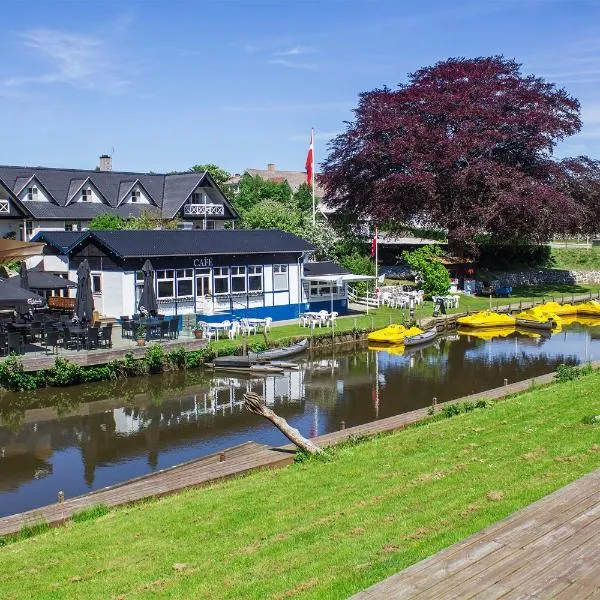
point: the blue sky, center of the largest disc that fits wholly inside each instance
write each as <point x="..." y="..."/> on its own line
<point x="168" y="84"/>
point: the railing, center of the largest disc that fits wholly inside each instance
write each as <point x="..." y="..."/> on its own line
<point x="202" y="210"/>
<point x="4" y="207"/>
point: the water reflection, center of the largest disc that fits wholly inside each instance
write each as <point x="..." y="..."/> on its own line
<point x="84" y="438"/>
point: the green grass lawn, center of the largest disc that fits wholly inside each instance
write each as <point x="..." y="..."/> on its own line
<point x="577" y="259"/>
<point x="323" y="528"/>
<point x="383" y="316"/>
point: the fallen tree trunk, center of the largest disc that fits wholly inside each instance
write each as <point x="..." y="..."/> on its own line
<point x="254" y="403"/>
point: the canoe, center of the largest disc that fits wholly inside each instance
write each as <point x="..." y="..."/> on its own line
<point x="591" y="308"/>
<point x="393" y="334"/>
<point x="536" y="323"/>
<point x="254" y="358"/>
<point x="421" y="338"/>
<point x="487" y="319"/>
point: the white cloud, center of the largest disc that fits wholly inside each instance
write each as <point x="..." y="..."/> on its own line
<point x="83" y="61"/>
<point x="292" y="64"/>
<point x="295" y="51"/>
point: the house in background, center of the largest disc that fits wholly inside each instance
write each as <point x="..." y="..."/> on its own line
<point x="34" y="199"/>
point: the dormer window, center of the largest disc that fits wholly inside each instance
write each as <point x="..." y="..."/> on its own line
<point x="198" y="198"/>
<point x="32" y="193"/>
<point x="135" y="196"/>
<point x="86" y="195"/>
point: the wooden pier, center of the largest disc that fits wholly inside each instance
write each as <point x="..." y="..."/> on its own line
<point x="549" y="549"/>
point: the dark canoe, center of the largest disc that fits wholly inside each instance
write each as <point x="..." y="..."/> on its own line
<point x="253" y="358"/>
<point x="529" y="324"/>
<point x="421" y="338"/>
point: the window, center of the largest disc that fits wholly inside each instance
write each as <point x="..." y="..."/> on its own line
<point x="86" y="195"/>
<point x="166" y="283"/>
<point x="198" y="198"/>
<point x="255" y="279"/>
<point x="96" y="283"/>
<point x="139" y="286"/>
<point x="28" y="229"/>
<point x="209" y="225"/>
<point x="135" y="196"/>
<point x="324" y="288"/>
<point x="202" y="282"/>
<point x="221" y="275"/>
<point x="72" y="226"/>
<point x="185" y="282"/>
<point x="280" y="278"/>
<point x="32" y="193"/>
<point x="238" y="279"/>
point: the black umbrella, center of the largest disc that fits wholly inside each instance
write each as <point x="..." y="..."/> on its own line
<point x="12" y="296"/>
<point x="24" y="276"/>
<point x="148" y="297"/>
<point x="84" y="300"/>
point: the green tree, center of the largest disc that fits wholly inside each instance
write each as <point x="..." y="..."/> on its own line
<point x="221" y="176"/>
<point x="425" y="261"/>
<point x="303" y="198"/>
<point x="256" y="189"/>
<point x="270" y="214"/>
<point x="149" y="220"/>
<point x="106" y="220"/>
<point x="320" y="234"/>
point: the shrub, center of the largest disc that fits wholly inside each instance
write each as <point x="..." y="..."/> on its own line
<point x="451" y="410"/>
<point x="177" y="357"/>
<point x="257" y="346"/>
<point x="568" y="373"/>
<point x="13" y="377"/>
<point x="155" y="358"/>
<point x="64" y="373"/>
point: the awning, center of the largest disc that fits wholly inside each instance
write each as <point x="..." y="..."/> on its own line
<point x="336" y="278"/>
<point x="13" y="295"/>
<point x="40" y="280"/>
<point x="11" y="250"/>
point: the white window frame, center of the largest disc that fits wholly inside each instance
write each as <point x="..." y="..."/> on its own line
<point x="86" y="194"/>
<point x="162" y="276"/>
<point x="28" y="229"/>
<point x="185" y="275"/>
<point x="255" y="272"/>
<point x="202" y="273"/>
<point x="198" y="198"/>
<point x="136" y="196"/>
<point x="96" y="282"/>
<point x="221" y="273"/>
<point x="32" y="193"/>
<point x="73" y="225"/>
<point x="238" y="274"/>
<point x="279" y="273"/>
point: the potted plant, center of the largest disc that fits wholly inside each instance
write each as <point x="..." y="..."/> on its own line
<point x="140" y="335"/>
<point x="198" y="331"/>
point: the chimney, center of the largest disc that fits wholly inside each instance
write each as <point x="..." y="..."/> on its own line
<point x="105" y="163"/>
<point x="271" y="168"/>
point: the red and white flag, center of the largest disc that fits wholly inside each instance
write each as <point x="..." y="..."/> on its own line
<point x="310" y="160"/>
<point x="374" y="244"/>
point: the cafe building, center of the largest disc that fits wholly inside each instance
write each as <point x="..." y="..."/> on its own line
<point x="214" y="274"/>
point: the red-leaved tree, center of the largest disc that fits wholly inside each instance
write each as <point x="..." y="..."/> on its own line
<point x="466" y="145"/>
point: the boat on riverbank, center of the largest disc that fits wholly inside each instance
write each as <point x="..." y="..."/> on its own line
<point x="393" y="334"/>
<point x="421" y="338"/>
<point x="546" y="325"/>
<point x="260" y="358"/>
<point x="486" y="319"/>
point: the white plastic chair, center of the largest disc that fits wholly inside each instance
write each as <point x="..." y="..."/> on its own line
<point x="268" y="322"/>
<point x="332" y="317"/>
<point x="322" y="315"/>
<point x="208" y="331"/>
<point x="234" y="330"/>
<point x="247" y="327"/>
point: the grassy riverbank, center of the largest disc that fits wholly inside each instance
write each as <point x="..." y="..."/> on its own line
<point x="323" y="529"/>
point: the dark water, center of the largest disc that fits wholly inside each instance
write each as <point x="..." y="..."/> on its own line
<point x="86" y="437"/>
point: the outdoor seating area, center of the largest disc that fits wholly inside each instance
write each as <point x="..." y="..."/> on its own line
<point x="149" y="328"/>
<point x="234" y="328"/>
<point x="49" y="331"/>
<point x="312" y="319"/>
<point x="396" y="296"/>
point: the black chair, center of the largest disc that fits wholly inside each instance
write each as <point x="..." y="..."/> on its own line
<point x="106" y="336"/>
<point x="3" y="339"/>
<point x="69" y="341"/>
<point x="51" y="340"/>
<point x="165" y="329"/>
<point x="127" y="328"/>
<point x="36" y="331"/>
<point x="93" y="338"/>
<point x="15" y="342"/>
<point x="173" y="328"/>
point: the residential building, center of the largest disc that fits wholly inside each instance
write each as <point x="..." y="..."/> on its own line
<point x="34" y="199"/>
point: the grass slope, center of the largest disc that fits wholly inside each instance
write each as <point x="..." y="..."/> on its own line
<point x="577" y="259"/>
<point x="323" y="529"/>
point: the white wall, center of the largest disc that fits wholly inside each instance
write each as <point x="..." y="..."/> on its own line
<point x="143" y="198"/>
<point x="96" y="198"/>
<point x="127" y="306"/>
<point x="41" y="196"/>
<point x="110" y="302"/>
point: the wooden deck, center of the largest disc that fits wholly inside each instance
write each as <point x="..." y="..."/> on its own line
<point x="550" y="549"/>
<point x="238" y="461"/>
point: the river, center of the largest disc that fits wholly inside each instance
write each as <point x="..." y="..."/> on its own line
<point x="86" y="437"/>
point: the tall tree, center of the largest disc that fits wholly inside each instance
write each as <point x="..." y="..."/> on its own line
<point x="255" y="189"/>
<point x="466" y="145"/>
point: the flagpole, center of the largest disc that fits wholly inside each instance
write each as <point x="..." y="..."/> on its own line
<point x="312" y="183"/>
<point x="376" y="263"/>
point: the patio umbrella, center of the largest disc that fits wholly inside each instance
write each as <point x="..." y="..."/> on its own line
<point x="84" y="300"/>
<point x="12" y="296"/>
<point x="40" y="280"/>
<point x="24" y="276"/>
<point x="148" y="297"/>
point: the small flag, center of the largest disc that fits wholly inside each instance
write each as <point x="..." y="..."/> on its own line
<point x="374" y="244"/>
<point x="310" y="160"/>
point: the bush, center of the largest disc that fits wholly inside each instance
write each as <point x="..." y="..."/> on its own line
<point x="257" y="346"/>
<point x="13" y="377"/>
<point x="435" y="277"/>
<point x="177" y="357"/>
<point x="570" y="372"/>
<point x="155" y="358"/>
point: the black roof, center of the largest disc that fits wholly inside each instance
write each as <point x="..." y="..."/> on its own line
<point x="148" y="244"/>
<point x="168" y="193"/>
<point x="326" y="267"/>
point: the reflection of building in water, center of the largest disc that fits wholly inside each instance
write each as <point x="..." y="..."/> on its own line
<point x="224" y="396"/>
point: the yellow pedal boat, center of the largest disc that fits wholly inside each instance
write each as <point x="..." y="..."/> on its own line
<point x="591" y="308"/>
<point x="554" y="308"/>
<point x="392" y="334"/>
<point x="487" y="319"/>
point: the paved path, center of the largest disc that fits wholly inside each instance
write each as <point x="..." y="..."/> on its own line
<point x="550" y="549"/>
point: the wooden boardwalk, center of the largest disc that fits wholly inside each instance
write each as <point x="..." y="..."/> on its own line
<point x="550" y="549"/>
<point x="238" y="461"/>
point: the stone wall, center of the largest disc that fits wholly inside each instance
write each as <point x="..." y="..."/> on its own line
<point x="546" y="276"/>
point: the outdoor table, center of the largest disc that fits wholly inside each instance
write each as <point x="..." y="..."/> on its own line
<point x="224" y="326"/>
<point x="257" y="322"/>
<point x="150" y="325"/>
<point x="79" y="332"/>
